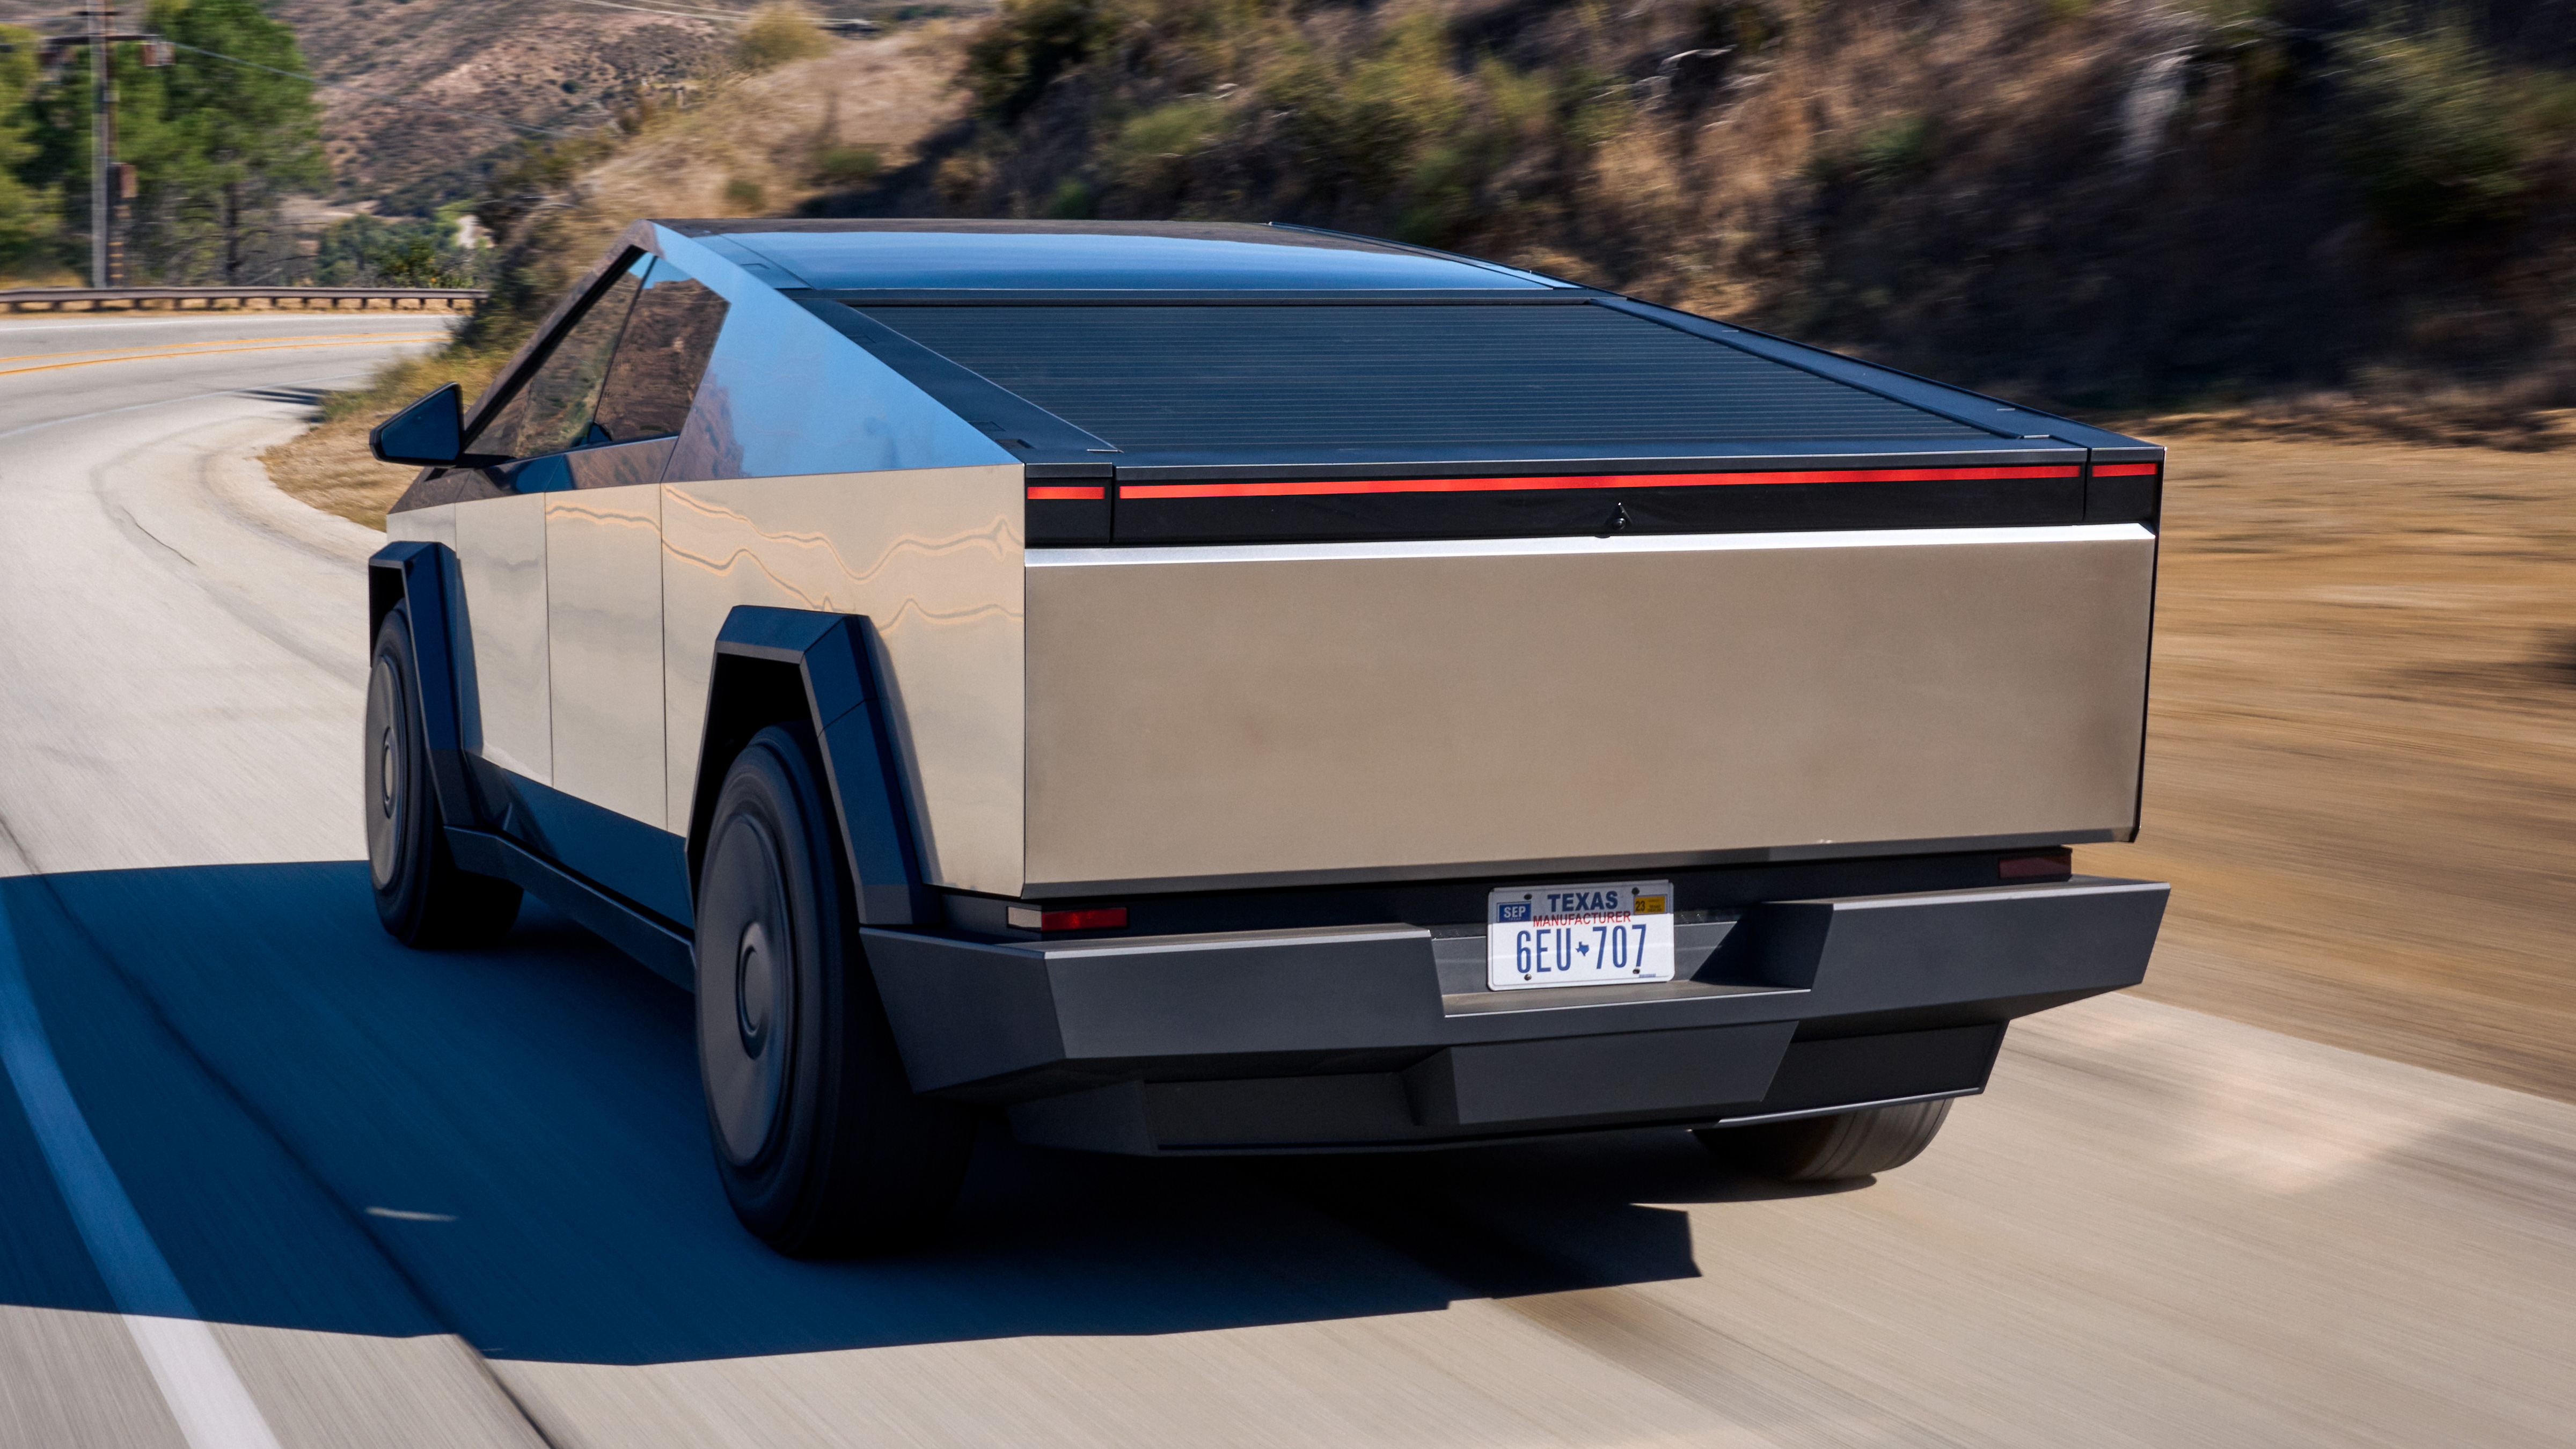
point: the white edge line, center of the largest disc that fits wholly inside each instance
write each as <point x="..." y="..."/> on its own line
<point x="1526" y="547"/>
<point x="205" y="1394"/>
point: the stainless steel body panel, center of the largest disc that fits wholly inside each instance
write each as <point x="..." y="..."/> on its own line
<point x="933" y="557"/>
<point x="1280" y="711"/>
<point x="501" y="560"/>
<point x="423" y="525"/>
<point x="604" y="634"/>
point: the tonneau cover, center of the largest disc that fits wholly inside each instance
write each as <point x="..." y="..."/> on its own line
<point x="1501" y="374"/>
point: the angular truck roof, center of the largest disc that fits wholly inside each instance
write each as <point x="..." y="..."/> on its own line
<point x="1288" y="382"/>
<point x="1199" y="339"/>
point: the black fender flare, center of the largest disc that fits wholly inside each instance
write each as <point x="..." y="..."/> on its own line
<point x="420" y="573"/>
<point x="773" y="665"/>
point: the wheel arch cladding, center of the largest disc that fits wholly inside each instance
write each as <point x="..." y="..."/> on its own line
<point x="418" y="573"/>
<point x="776" y="665"/>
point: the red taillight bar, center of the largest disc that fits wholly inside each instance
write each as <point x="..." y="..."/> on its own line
<point x="1603" y="480"/>
<point x="1098" y="918"/>
<point x="1093" y="491"/>
<point x="2125" y="470"/>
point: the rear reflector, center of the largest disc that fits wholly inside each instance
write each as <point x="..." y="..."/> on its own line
<point x="2124" y="470"/>
<point x="1099" y="918"/>
<point x="2056" y="865"/>
<point x="1096" y="490"/>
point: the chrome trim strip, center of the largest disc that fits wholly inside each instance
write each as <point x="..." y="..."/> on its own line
<point x="1540" y="547"/>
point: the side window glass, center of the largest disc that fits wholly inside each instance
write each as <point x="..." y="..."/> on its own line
<point x="664" y="352"/>
<point x="556" y="407"/>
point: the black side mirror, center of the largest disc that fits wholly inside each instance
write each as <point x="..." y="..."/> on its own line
<point x="431" y="432"/>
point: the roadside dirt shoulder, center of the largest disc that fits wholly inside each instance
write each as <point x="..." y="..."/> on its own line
<point x="2361" y="751"/>
<point x="328" y="466"/>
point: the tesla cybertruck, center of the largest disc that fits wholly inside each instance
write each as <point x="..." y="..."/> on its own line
<point x="1201" y="688"/>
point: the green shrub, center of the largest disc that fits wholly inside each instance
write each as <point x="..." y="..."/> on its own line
<point x="1074" y="199"/>
<point x="2429" y="130"/>
<point x="844" y="165"/>
<point x="1144" y="147"/>
<point x="1891" y="150"/>
<point x="746" y="195"/>
<point x="777" y="34"/>
<point x="1386" y="125"/>
<point x="1013" y="62"/>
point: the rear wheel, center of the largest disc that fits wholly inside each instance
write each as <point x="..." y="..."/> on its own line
<point x="823" y="1148"/>
<point x="422" y="898"/>
<point x="1829" y="1149"/>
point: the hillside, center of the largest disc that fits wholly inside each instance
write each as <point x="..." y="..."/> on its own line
<point x="567" y="65"/>
<point x="754" y="143"/>
<point x="2106" y="204"/>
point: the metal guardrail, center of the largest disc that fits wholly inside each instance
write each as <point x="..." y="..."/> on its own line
<point x="56" y="299"/>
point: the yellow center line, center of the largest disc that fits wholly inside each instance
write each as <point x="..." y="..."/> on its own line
<point x="210" y="351"/>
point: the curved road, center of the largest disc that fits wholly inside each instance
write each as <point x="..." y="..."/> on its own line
<point x="267" y="1179"/>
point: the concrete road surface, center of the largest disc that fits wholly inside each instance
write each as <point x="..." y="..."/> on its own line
<point x="266" y="1178"/>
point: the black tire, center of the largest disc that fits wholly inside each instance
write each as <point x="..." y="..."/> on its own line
<point x="1829" y="1149"/>
<point x="422" y="898"/>
<point x="823" y="1148"/>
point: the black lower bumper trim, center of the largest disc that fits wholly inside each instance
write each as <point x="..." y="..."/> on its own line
<point x="1464" y="1097"/>
<point x="1289" y="1040"/>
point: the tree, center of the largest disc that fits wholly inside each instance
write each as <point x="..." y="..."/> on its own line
<point x="28" y="218"/>
<point x="218" y="139"/>
<point x="243" y="132"/>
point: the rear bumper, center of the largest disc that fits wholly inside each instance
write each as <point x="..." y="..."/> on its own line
<point x="1384" y="1036"/>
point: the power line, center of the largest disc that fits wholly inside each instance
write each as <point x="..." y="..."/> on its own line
<point x="378" y="95"/>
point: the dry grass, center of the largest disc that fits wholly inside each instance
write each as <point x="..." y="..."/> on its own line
<point x="329" y="468"/>
<point x="2445" y="418"/>
<point x="761" y="144"/>
<point x="2361" y="757"/>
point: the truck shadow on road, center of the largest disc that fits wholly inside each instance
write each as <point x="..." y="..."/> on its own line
<point x="324" y="1130"/>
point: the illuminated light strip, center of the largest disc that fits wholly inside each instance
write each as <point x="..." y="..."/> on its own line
<point x="2124" y="470"/>
<point x="220" y="351"/>
<point x="1610" y="480"/>
<point x="1095" y="491"/>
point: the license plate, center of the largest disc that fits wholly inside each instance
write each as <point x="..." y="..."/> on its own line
<point x="1579" y="935"/>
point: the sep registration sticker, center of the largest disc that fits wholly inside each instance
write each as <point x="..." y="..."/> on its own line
<point x="1579" y="935"/>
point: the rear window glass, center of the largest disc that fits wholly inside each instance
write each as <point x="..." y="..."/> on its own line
<point x="1177" y="377"/>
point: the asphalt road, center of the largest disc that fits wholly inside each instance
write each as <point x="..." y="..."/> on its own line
<point x="266" y="1178"/>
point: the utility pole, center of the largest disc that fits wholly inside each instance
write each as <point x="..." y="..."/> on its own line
<point x="107" y="176"/>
